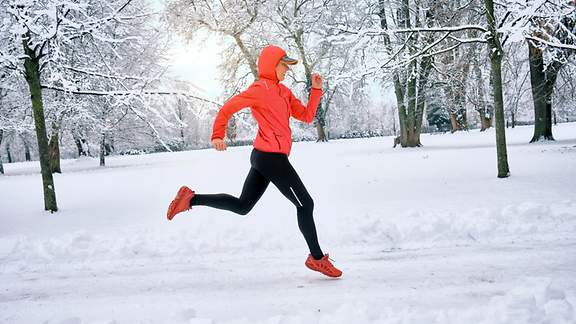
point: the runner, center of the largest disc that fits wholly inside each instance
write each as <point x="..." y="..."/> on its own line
<point x="272" y="104"/>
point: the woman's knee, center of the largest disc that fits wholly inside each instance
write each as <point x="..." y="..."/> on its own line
<point x="306" y="204"/>
<point x="244" y="208"/>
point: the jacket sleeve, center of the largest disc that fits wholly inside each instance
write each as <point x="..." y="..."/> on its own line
<point x="244" y="99"/>
<point x="302" y="113"/>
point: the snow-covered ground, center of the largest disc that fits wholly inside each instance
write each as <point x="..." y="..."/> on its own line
<point x="425" y="235"/>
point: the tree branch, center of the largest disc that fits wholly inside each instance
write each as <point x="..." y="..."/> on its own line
<point x="128" y="93"/>
<point x="556" y="45"/>
<point x="441" y="29"/>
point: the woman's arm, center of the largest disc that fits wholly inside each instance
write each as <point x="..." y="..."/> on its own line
<point x="244" y="99"/>
<point x="307" y="113"/>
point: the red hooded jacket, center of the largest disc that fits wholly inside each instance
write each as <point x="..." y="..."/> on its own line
<point x="272" y="104"/>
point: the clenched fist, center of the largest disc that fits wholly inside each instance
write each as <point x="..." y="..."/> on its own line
<point x="219" y="144"/>
<point x="316" y="81"/>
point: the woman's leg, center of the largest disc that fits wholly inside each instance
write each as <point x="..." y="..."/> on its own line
<point x="278" y="169"/>
<point x="254" y="186"/>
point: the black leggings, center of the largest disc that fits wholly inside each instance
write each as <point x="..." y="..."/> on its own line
<point x="270" y="167"/>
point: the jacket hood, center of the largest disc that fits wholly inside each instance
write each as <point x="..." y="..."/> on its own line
<point x="269" y="58"/>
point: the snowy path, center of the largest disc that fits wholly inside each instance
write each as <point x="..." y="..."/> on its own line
<point x="412" y="283"/>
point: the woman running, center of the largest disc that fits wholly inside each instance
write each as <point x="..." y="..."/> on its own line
<point x="272" y="104"/>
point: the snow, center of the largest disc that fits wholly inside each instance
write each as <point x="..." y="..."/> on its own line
<point x="425" y="235"/>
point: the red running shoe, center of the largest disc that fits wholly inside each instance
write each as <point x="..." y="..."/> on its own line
<point x="323" y="265"/>
<point x="181" y="203"/>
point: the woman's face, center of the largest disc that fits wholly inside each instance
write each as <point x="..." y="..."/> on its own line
<point x="281" y="70"/>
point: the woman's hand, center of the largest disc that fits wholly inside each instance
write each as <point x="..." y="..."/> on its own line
<point x="219" y="144"/>
<point x="316" y="81"/>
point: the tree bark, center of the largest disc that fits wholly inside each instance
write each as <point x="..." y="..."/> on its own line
<point x="411" y="140"/>
<point x="542" y="120"/>
<point x="232" y="129"/>
<point x="180" y="113"/>
<point x="1" y="165"/>
<point x="460" y="88"/>
<point x="55" y="149"/>
<point x="551" y="76"/>
<point x="79" y="141"/>
<point x="79" y="147"/>
<point x="399" y="91"/>
<point x="103" y="150"/>
<point x="485" y="122"/>
<point x="32" y="74"/>
<point x="426" y="67"/>
<point x="321" y="133"/>
<point x="454" y="123"/>
<point x="27" y="155"/>
<point x="8" y="153"/>
<point x="483" y="107"/>
<point x="496" y="54"/>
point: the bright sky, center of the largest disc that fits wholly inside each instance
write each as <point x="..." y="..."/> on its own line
<point x="196" y="61"/>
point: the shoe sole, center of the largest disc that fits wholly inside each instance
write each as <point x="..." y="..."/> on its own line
<point x="326" y="274"/>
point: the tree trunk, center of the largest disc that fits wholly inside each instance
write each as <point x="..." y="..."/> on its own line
<point x="538" y="80"/>
<point x="182" y="139"/>
<point x="232" y="129"/>
<point x="8" y="153"/>
<point x="55" y="149"/>
<point x="413" y="139"/>
<point x="321" y="132"/>
<point x="463" y="119"/>
<point x="1" y="165"/>
<point x="485" y="120"/>
<point x="79" y="147"/>
<point x="398" y="90"/>
<point x="425" y="68"/>
<point x="27" y="156"/>
<point x="79" y="141"/>
<point x="551" y="75"/>
<point x="32" y="74"/>
<point x="482" y="120"/>
<point x="513" y="119"/>
<point x="484" y="105"/>
<point x="496" y="53"/>
<point x="321" y="124"/>
<point x="501" y="150"/>
<point x="411" y="107"/>
<point x="103" y="150"/>
<point x="179" y="111"/>
<point x="454" y="123"/>
<point x="459" y="88"/>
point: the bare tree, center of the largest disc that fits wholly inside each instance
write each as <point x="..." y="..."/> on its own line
<point x="553" y="25"/>
<point x="48" y="36"/>
<point x="496" y="54"/>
